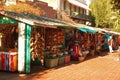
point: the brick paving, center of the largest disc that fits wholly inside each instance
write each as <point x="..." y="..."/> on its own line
<point x="104" y="67"/>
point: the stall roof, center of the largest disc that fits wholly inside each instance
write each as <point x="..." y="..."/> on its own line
<point x="35" y="20"/>
<point x="87" y="30"/>
<point x="108" y="31"/>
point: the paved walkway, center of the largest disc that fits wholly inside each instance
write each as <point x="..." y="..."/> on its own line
<point x="104" y="67"/>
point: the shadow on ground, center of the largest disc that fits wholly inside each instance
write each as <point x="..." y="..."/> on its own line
<point x="38" y="71"/>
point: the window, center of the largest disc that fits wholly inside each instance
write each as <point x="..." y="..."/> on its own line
<point x="82" y="11"/>
<point x="79" y="10"/>
<point x="75" y="8"/>
<point x="64" y="4"/>
<point x="70" y="6"/>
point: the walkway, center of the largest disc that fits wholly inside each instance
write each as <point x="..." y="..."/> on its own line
<point x="104" y="67"/>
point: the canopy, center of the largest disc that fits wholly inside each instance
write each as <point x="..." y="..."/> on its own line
<point x="32" y="20"/>
<point x="6" y="20"/>
<point x="87" y="30"/>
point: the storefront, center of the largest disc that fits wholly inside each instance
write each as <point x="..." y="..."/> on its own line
<point x="81" y="43"/>
<point x="34" y="40"/>
<point x="33" y="35"/>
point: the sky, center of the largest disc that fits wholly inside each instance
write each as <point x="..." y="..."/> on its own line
<point x="88" y="2"/>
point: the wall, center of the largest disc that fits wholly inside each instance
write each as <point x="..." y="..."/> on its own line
<point x="47" y="10"/>
<point x="51" y="3"/>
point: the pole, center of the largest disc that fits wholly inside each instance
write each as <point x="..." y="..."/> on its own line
<point x="27" y="48"/>
<point x="21" y="47"/>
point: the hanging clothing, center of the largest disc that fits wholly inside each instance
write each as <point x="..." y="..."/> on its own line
<point x="119" y="40"/>
<point x="75" y="49"/>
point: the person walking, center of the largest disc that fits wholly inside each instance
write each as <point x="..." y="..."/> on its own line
<point x="110" y="42"/>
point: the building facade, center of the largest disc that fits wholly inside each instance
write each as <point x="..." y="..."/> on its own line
<point x="77" y="10"/>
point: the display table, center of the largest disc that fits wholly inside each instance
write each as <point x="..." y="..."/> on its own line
<point x="8" y="61"/>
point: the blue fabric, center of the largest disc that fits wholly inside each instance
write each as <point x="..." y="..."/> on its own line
<point x="87" y="30"/>
<point x="107" y="37"/>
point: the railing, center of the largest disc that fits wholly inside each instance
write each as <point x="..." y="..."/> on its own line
<point x="78" y="15"/>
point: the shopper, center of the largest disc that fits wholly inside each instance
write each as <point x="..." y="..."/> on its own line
<point x="119" y="41"/>
<point x="110" y="42"/>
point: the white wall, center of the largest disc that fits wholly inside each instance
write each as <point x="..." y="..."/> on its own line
<point x="53" y="3"/>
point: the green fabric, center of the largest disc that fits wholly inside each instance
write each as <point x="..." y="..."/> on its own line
<point x="87" y="30"/>
<point x="6" y="20"/>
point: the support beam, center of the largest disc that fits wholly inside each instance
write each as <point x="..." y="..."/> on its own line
<point x="21" y="47"/>
<point x="27" y="48"/>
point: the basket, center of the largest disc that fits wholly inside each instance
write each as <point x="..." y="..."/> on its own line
<point x="92" y="52"/>
<point x="67" y="59"/>
<point x="61" y="60"/>
<point x="49" y="63"/>
<point x="81" y="58"/>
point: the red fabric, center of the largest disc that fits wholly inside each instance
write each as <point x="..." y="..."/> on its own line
<point x="75" y="48"/>
<point x="12" y="61"/>
<point x="92" y="43"/>
<point x="119" y="39"/>
<point x="3" y="61"/>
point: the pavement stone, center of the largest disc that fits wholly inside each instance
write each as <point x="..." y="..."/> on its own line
<point x="102" y="67"/>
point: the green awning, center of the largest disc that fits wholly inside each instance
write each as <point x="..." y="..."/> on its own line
<point x="6" y="20"/>
<point x="87" y="30"/>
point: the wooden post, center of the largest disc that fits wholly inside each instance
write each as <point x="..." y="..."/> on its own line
<point x="27" y="48"/>
<point x="21" y="47"/>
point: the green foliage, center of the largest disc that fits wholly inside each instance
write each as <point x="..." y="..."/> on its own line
<point x="101" y="11"/>
<point x="116" y="14"/>
<point x="106" y="14"/>
<point x="116" y="5"/>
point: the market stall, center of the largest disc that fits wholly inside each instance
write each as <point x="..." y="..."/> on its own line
<point x="8" y="47"/>
<point x="81" y="43"/>
<point x="55" y="50"/>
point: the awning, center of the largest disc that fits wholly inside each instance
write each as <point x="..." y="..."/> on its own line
<point x="6" y="20"/>
<point x="35" y="20"/>
<point x="77" y="3"/>
<point x="87" y="30"/>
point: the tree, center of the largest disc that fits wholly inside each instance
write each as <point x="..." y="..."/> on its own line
<point x="106" y="13"/>
<point x="101" y="11"/>
<point x="116" y="5"/>
<point x="116" y="17"/>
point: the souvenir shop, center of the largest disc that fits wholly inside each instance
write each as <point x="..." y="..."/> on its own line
<point x="47" y="46"/>
<point x="8" y="47"/>
<point x="81" y="42"/>
<point x="30" y="45"/>
<point x="55" y="51"/>
<point x="27" y="44"/>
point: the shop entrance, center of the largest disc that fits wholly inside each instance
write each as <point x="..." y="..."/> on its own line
<point x="37" y="45"/>
<point x="8" y="47"/>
